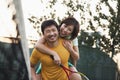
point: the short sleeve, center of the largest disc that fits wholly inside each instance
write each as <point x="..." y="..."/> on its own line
<point x="75" y="42"/>
<point x="34" y="58"/>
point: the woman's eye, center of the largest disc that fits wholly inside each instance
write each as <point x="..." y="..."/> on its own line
<point x="70" y="30"/>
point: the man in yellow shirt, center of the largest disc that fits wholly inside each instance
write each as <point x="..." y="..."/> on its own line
<point x="50" y="70"/>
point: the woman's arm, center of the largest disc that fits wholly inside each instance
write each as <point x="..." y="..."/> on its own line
<point x="74" y="52"/>
<point x="42" y="48"/>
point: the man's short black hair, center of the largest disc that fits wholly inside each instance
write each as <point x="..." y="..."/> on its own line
<point x="48" y="23"/>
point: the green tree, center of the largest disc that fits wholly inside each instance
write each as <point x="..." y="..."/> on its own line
<point x="109" y="43"/>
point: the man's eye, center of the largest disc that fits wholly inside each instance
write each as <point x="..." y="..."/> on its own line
<point x="53" y="30"/>
<point x="47" y="31"/>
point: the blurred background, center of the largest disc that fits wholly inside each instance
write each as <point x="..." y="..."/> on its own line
<point x="99" y="36"/>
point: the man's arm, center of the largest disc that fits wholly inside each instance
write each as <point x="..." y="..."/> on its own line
<point x="33" y="73"/>
<point x="34" y="59"/>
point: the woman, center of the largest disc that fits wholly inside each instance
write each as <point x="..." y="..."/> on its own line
<point x="69" y="29"/>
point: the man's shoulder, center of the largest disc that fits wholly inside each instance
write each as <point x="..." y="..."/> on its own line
<point x="35" y="51"/>
<point x="61" y="39"/>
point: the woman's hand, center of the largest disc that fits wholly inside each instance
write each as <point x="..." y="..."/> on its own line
<point x="68" y="45"/>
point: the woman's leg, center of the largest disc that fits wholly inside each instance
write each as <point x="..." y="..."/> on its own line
<point x="38" y="71"/>
<point x="74" y="76"/>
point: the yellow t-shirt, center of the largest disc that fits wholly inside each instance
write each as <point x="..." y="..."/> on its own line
<point x="51" y="71"/>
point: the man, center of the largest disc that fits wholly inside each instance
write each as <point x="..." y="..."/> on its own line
<point x="50" y="70"/>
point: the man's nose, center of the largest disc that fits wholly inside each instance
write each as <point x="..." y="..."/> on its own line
<point x="51" y="33"/>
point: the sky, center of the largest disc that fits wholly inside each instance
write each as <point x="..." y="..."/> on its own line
<point x="38" y="8"/>
<point x="31" y="7"/>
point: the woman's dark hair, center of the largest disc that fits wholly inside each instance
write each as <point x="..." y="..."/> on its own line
<point x="75" y="23"/>
<point x="48" y="23"/>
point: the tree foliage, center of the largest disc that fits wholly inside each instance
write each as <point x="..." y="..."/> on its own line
<point x="112" y="43"/>
<point x="92" y="20"/>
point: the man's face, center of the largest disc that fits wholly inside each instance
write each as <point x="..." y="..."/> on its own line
<point x="51" y="33"/>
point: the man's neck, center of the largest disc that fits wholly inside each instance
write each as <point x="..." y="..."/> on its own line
<point x="53" y="44"/>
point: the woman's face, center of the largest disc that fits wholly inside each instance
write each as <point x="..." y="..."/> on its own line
<point x="66" y="30"/>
